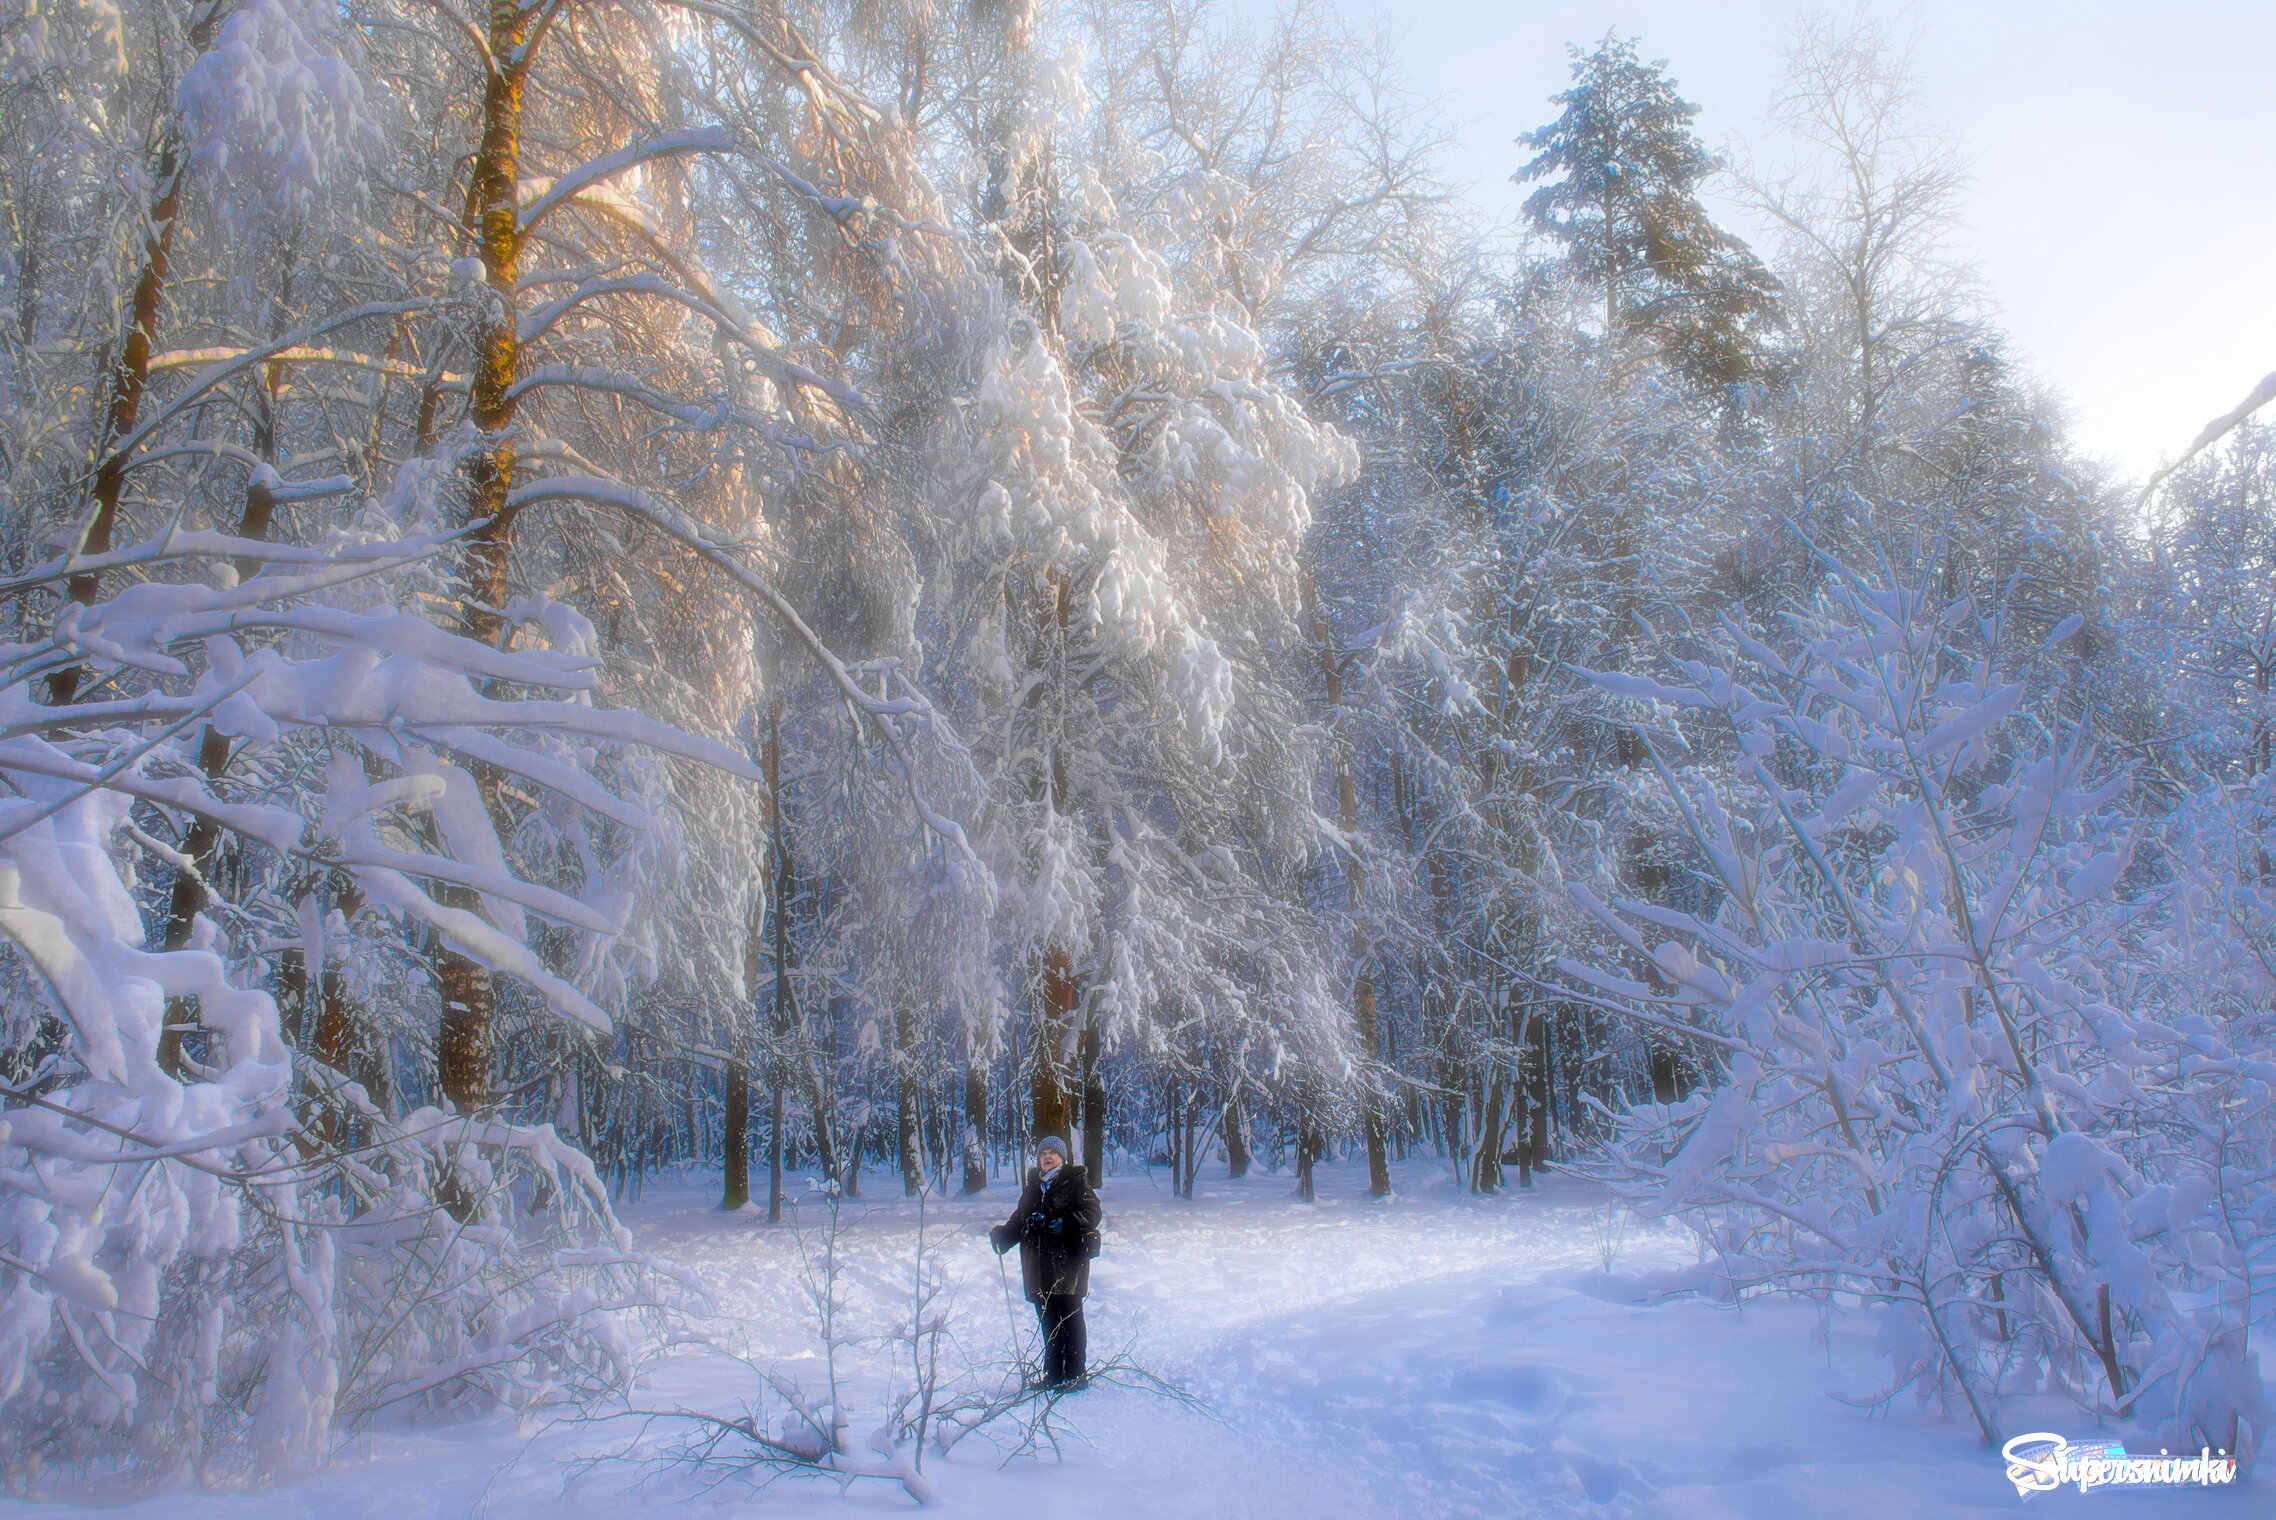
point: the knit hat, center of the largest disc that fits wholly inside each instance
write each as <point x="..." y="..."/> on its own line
<point x="1051" y="1143"/>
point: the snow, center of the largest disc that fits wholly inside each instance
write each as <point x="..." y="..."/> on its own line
<point x="1437" y="1355"/>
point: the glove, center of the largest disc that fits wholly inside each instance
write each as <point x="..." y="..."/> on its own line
<point x="1058" y="1225"/>
<point x="1035" y="1224"/>
<point x="1001" y="1239"/>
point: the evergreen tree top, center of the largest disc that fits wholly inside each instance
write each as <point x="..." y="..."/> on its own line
<point x="1624" y="205"/>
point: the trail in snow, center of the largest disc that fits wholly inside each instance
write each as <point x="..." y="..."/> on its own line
<point x="1437" y="1355"/>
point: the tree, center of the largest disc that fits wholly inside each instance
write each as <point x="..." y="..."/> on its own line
<point x="1867" y="218"/>
<point x="1628" y="215"/>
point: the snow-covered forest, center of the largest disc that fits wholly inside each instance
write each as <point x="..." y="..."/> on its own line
<point x="794" y="594"/>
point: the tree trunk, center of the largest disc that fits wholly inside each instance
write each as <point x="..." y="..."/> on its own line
<point x="1534" y="1141"/>
<point x="1370" y="1101"/>
<point x="1521" y="1099"/>
<point x="905" y="1071"/>
<point x="1170" y="1133"/>
<point x="1007" y="1134"/>
<point x="130" y="372"/>
<point x="1049" y="1084"/>
<point x="1486" y="1172"/>
<point x="1236" y="1135"/>
<point x="1355" y="885"/>
<point x="464" y="1047"/>
<point x="976" y="1122"/>
<point x="1667" y="1075"/>
<point x="202" y="844"/>
<point x="335" y="1040"/>
<point x="1191" y="1119"/>
<point x="1052" y="1098"/>
<point x="735" y="1153"/>
<point x="735" y="1146"/>
<point x="1094" y="1104"/>
<point x="789" y="1030"/>
<point x="774" y="1153"/>
<point x="1307" y="1151"/>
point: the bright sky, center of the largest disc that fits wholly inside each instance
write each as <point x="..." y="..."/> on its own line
<point x="2123" y="205"/>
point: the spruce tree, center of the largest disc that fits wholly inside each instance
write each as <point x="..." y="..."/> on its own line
<point x="1624" y="168"/>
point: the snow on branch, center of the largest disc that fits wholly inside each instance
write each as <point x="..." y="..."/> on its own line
<point x="596" y="171"/>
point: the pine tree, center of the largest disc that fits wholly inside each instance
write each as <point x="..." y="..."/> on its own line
<point x="1627" y="211"/>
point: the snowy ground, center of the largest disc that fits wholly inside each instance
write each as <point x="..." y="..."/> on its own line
<point x="1440" y="1355"/>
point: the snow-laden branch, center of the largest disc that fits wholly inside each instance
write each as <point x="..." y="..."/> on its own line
<point x="596" y="171"/>
<point x="2213" y="432"/>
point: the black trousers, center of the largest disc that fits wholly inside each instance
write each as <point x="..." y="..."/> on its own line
<point x="1066" y="1340"/>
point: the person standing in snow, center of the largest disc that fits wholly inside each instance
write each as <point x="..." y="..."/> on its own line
<point x="1055" y="1225"/>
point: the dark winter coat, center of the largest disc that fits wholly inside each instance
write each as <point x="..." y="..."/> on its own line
<point x="1056" y="1230"/>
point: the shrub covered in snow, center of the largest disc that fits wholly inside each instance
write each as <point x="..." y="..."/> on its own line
<point x="213" y="1250"/>
<point x="1985" y="1042"/>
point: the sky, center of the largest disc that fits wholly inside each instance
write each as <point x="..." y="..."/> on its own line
<point x="2122" y="204"/>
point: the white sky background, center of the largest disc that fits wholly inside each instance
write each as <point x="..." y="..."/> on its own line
<point x="2122" y="210"/>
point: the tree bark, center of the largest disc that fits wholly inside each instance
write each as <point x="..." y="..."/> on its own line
<point x="774" y="1154"/>
<point x="909" y="1094"/>
<point x="130" y="372"/>
<point x="1094" y="1104"/>
<point x="1535" y="1139"/>
<point x="202" y="844"/>
<point x="975" y="1122"/>
<point x="465" y="1044"/>
<point x="1370" y="1101"/>
<point x="1307" y="1150"/>
<point x="1355" y="885"/>
<point x="1048" y="1084"/>
<point x="1486" y="1171"/>
<point x="789" y="1029"/>
<point x="335" y="1041"/>
<point x="735" y="1143"/>
<point x="1236" y="1135"/>
<point x="1051" y="1097"/>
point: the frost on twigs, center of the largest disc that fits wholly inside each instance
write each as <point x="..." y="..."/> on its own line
<point x="1963" y="1059"/>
